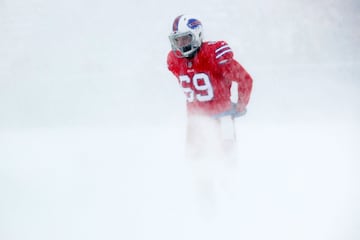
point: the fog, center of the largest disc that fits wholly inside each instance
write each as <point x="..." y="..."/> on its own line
<point x="92" y="124"/>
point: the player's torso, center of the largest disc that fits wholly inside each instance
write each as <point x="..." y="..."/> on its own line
<point x="202" y="81"/>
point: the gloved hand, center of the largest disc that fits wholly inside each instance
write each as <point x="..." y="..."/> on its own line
<point x="237" y="110"/>
<point x="234" y="111"/>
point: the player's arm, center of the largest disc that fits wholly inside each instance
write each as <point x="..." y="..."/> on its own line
<point x="170" y="63"/>
<point x="242" y="82"/>
<point x="233" y="71"/>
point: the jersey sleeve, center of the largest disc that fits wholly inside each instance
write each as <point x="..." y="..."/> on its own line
<point x="223" y="53"/>
<point x="233" y="71"/>
<point x="171" y="63"/>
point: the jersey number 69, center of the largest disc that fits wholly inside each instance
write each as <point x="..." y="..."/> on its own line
<point x="198" y="88"/>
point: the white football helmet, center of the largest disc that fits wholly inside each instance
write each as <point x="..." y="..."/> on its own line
<point x="186" y="36"/>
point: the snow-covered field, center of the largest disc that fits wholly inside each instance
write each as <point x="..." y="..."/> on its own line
<point x="92" y="123"/>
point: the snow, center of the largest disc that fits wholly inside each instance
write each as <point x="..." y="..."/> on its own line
<point x="92" y="125"/>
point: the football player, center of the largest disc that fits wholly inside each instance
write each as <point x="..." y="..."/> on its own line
<point x="216" y="86"/>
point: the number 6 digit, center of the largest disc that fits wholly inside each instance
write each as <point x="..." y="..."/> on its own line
<point x="189" y="93"/>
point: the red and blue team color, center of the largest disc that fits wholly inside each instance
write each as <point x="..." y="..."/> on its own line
<point x="208" y="74"/>
<point x="206" y="71"/>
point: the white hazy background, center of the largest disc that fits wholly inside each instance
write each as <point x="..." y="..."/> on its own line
<point x="92" y="123"/>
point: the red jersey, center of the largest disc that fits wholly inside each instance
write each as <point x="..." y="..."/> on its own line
<point x="207" y="77"/>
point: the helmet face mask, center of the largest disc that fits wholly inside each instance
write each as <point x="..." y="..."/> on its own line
<point x="184" y="43"/>
<point x="186" y="36"/>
